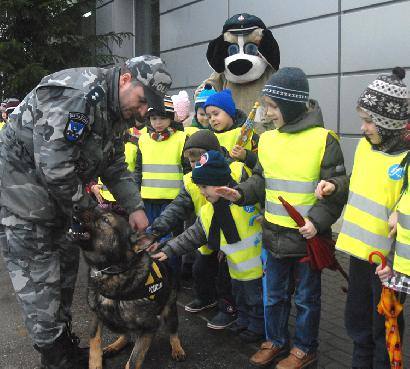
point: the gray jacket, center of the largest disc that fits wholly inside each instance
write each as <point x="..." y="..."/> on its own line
<point x="191" y="239"/>
<point x="67" y="131"/>
<point x="286" y="242"/>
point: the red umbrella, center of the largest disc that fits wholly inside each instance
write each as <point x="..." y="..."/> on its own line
<point x="320" y="250"/>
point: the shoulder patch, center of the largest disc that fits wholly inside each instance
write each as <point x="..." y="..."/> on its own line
<point x="95" y="95"/>
<point x="76" y="126"/>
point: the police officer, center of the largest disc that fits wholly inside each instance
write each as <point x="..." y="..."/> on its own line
<point x="67" y="131"/>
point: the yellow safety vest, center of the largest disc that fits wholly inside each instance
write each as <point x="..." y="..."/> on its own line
<point x="161" y="166"/>
<point x="375" y="187"/>
<point x="291" y="164"/>
<point x="199" y="200"/>
<point x="228" y="139"/>
<point x="190" y="130"/>
<point x="2" y="124"/>
<point x="402" y="255"/>
<point x="130" y="152"/>
<point x="244" y="256"/>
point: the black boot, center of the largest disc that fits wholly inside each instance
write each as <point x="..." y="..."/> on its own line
<point x="64" y="353"/>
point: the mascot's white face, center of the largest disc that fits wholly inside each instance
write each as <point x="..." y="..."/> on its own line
<point x="244" y="62"/>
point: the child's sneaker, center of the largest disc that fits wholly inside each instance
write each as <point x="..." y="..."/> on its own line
<point x="197" y="305"/>
<point x="221" y="320"/>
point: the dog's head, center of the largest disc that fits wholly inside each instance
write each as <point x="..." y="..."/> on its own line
<point x="244" y="49"/>
<point x="109" y="239"/>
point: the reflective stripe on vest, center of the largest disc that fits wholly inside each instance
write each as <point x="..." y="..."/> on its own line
<point x="244" y="256"/>
<point x="291" y="165"/>
<point x="199" y="200"/>
<point x="161" y="166"/>
<point x="402" y="256"/>
<point x="228" y="139"/>
<point x="374" y="191"/>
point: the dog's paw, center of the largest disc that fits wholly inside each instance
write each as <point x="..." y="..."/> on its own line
<point x="178" y="352"/>
<point x="95" y="363"/>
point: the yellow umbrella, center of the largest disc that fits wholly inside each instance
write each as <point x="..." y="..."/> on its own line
<point x="390" y="307"/>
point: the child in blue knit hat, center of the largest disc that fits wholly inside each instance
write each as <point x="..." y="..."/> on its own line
<point x="200" y="119"/>
<point x="232" y="230"/>
<point x="226" y="122"/>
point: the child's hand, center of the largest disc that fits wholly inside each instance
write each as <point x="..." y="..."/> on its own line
<point x="238" y="153"/>
<point x="384" y="274"/>
<point x="228" y="193"/>
<point x="324" y="188"/>
<point x="393" y="218"/>
<point x="160" y="256"/>
<point x="308" y="231"/>
<point x="95" y="189"/>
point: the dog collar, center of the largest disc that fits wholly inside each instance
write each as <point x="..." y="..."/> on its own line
<point x="113" y="269"/>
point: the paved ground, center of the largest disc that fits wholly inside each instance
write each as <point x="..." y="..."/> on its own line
<point x="205" y="349"/>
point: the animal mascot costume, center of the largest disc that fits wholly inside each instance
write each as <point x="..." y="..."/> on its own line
<point x="244" y="57"/>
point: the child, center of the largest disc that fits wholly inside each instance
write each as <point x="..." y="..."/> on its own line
<point x="206" y="262"/>
<point x="225" y="121"/>
<point x="160" y="164"/>
<point x="292" y="159"/>
<point x="231" y="229"/>
<point x="200" y="119"/>
<point x="375" y="186"/>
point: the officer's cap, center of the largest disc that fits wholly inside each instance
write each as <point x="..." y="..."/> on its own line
<point x="243" y="23"/>
<point x="152" y="73"/>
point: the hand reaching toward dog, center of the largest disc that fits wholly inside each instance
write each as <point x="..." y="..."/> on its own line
<point x="228" y="193"/>
<point x="138" y="220"/>
<point x="96" y="190"/>
<point x="160" y="256"/>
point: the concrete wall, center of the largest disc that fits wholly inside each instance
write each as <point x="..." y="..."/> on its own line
<point x="342" y="45"/>
<point x="116" y="16"/>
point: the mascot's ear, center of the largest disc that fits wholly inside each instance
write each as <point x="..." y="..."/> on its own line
<point x="269" y="49"/>
<point x="216" y="53"/>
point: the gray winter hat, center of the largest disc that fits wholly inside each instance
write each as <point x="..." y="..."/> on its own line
<point x="152" y="73"/>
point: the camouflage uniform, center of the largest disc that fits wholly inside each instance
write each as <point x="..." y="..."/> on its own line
<point x="67" y="131"/>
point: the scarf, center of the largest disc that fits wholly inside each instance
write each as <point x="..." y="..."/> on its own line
<point x="392" y="140"/>
<point x="161" y="136"/>
<point x="222" y="220"/>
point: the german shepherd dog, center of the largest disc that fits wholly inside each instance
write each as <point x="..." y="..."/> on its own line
<point x="127" y="291"/>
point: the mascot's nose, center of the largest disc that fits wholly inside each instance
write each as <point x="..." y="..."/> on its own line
<point x="240" y="67"/>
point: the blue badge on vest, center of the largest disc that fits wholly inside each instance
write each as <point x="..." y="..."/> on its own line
<point x="249" y="208"/>
<point x="396" y="172"/>
<point x="75" y="127"/>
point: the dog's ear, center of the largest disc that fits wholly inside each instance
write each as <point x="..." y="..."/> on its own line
<point x="216" y="53"/>
<point x="269" y="49"/>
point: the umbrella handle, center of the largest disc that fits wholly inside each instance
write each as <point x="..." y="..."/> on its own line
<point x="380" y="255"/>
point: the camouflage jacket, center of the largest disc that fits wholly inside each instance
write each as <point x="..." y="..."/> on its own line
<point x="67" y="131"/>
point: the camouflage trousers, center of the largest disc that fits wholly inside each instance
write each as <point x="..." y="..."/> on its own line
<point x="43" y="266"/>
